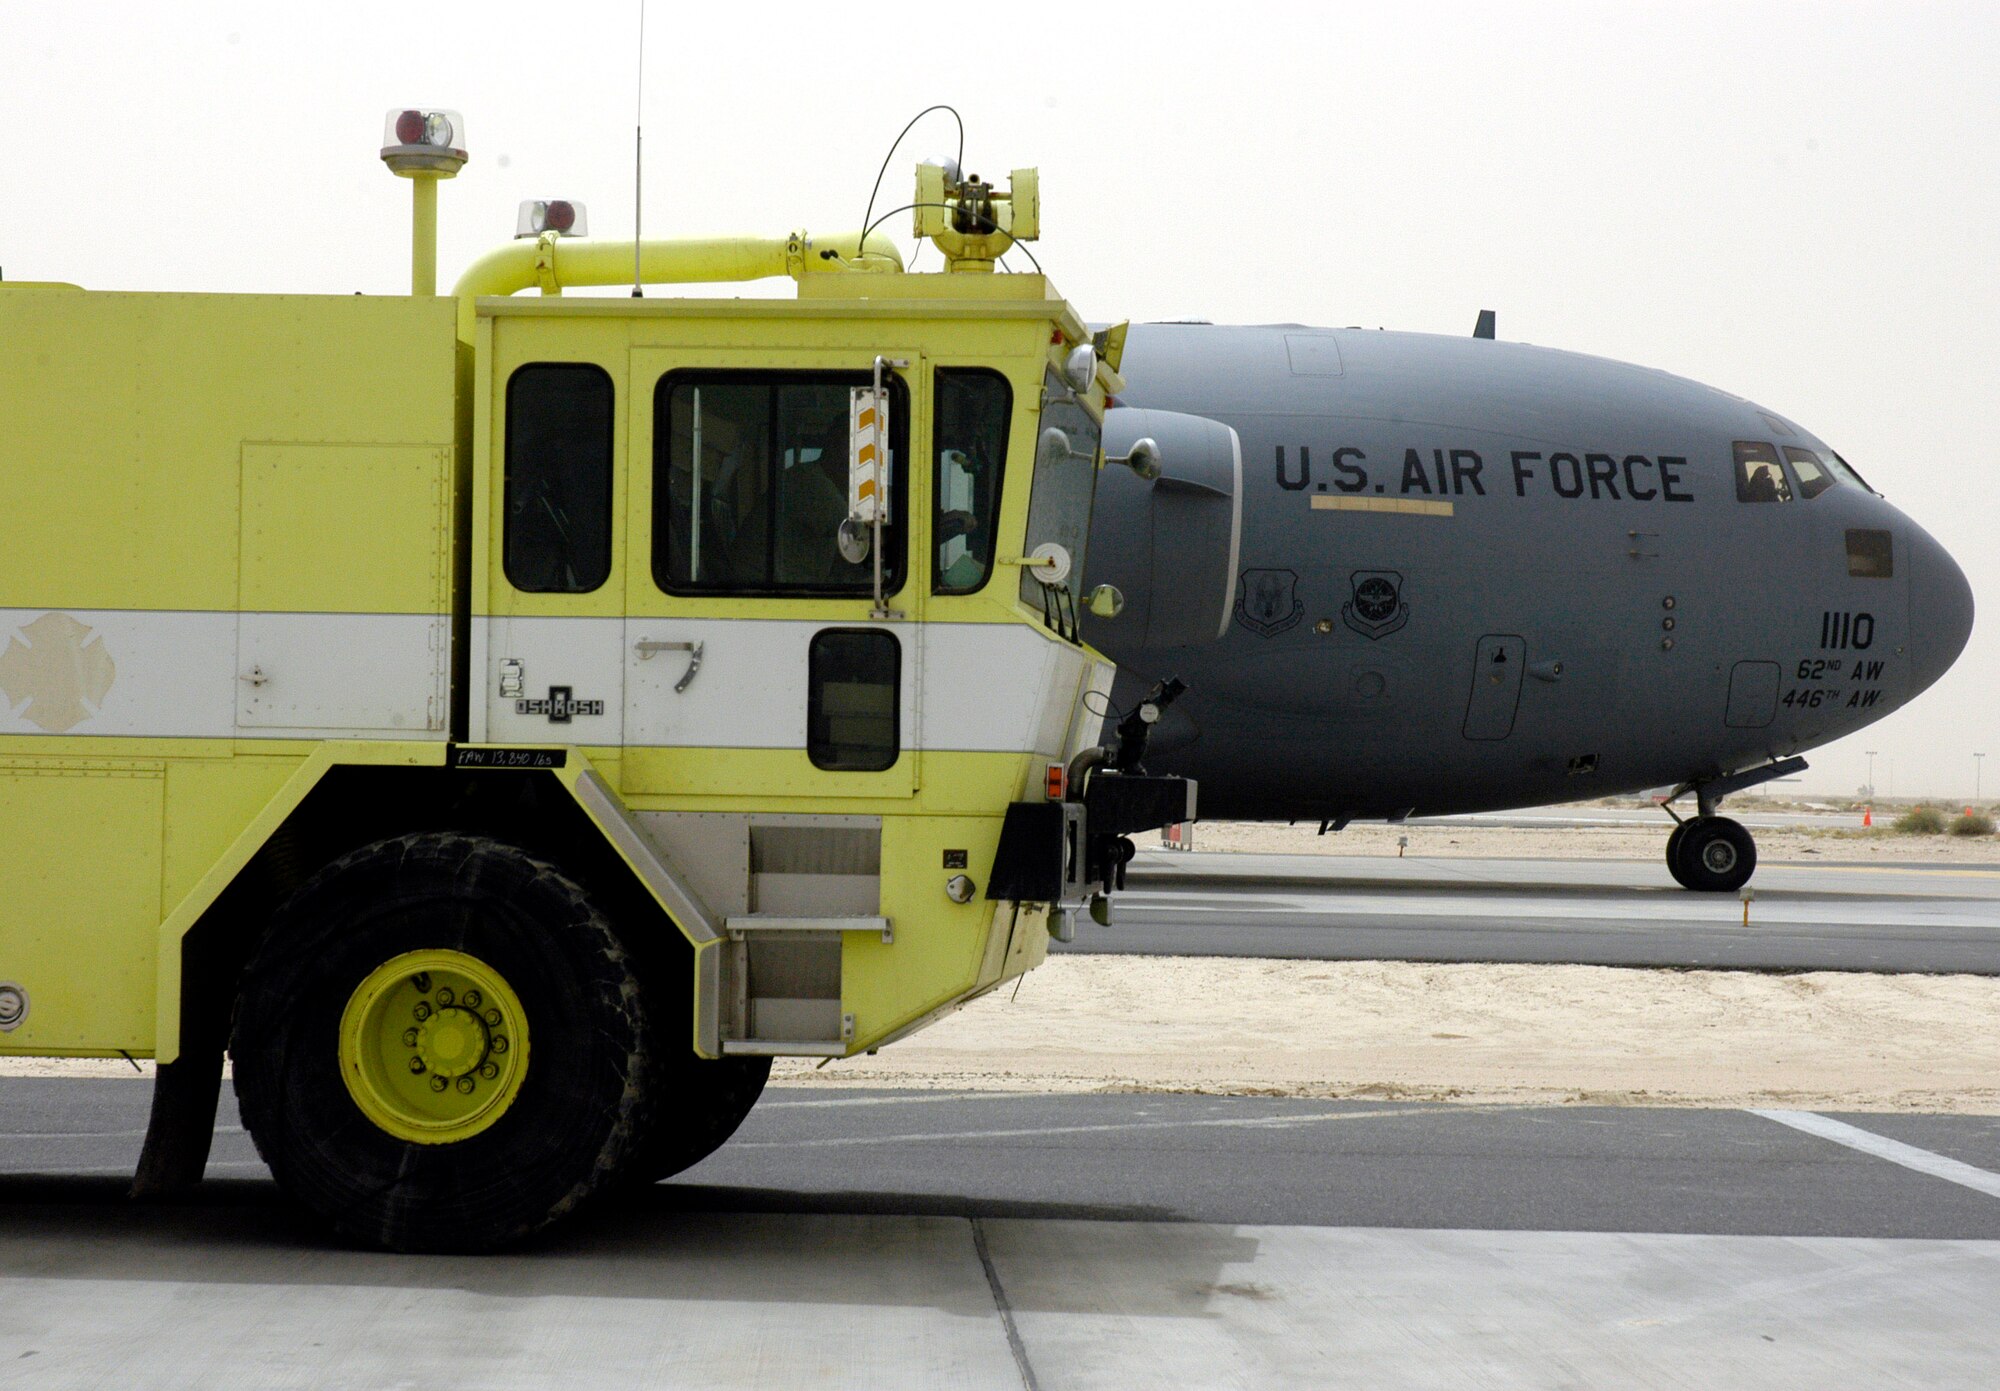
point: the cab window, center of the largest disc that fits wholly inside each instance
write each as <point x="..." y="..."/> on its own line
<point x="556" y="497"/>
<point x="1813" y="476"/>
<point x="969" y="435"/>
<point x="1759" y="477"/>
<point x="750" y="484"/>
<point x="852" y="722"/>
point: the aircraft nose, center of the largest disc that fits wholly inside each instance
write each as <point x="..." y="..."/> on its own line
<point x="1940" y="609"/>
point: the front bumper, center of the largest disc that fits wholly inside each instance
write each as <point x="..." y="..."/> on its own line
<point x="1061" y="853"/>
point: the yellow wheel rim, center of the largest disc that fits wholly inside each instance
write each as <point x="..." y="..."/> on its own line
<point x="433" y="1046"/>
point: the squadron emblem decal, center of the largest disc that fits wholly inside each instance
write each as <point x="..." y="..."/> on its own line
<point x="1267" y="602"/>
<point x="59" y="676"/>
<point x="1377" y="608"/>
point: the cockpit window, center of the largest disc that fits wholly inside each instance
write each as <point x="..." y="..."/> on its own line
<point x="1843" y="469"/>
<point x="1759" y="478"/>
<point x="1813" y="476"/>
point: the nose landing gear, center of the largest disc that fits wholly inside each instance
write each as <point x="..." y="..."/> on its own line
<point x="1710" y="853"/>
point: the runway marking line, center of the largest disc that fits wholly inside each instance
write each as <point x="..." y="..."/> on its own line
<point x="1021" y="1132"/>
<point x="1894" y="869"/>
<point x="1868" y="1142"/>
<point x="868" y="1100"/>
<point x="99" y="1134"/>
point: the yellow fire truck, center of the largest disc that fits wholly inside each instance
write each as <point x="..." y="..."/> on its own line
<point x="505" y="724"/>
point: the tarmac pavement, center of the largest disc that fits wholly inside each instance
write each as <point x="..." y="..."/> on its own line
<point x="941" y="1239"/>
<point x="1830" y="917"/>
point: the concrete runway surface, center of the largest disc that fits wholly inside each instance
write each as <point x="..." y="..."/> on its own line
<point x="1830" y="917"/>
<point x="897" y="1238"/>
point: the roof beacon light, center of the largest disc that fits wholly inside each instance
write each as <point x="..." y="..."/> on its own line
<point x="423" y="146"/>
<point x="557" y="215"/>
<point x="416" y="141"/>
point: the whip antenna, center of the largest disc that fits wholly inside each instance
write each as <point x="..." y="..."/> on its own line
<point x="638" y="147"/>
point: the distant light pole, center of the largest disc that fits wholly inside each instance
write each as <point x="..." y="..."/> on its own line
<point x="1976" y="768"/>
<point x="1871" y="773"/>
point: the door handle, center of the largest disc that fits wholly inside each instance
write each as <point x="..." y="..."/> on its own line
<point x="646" y="647"/>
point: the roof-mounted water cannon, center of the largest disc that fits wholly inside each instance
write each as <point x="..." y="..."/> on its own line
<point x="973" y="222"/>
<point x="423" y="146"/>
<point x="555" y="217"/>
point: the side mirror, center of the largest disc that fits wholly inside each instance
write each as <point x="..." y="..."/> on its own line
<point x="1144" y="459"/>
<point x="1106" y="601"/>
<point x="1053" y="448"/>
<point x="853" y="539"/>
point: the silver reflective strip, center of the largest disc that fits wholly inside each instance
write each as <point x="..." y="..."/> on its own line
<point x="984" y="687"/>
<point x="206" y="675"/>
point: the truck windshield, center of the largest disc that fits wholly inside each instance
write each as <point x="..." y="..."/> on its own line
<point x="1059" y="506"/>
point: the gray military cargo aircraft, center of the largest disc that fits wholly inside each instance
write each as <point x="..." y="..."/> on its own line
<point x="1476" y="575"/>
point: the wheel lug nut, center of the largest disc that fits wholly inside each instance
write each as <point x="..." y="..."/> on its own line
<point x="473" y="999"/>
<point x="445" y="997"/>
<point x="422" y="1011"/>
<point x="493" y="1017"/>
<point x="422" y="981"/>
<point x="489" y="1070"/>
<point x="416" y="1064"/>
<point x="499" y="1043"/>
<point x="409" y="1038"/>
<point x="437" y="1084"/>
<point x="465" y="1086"/>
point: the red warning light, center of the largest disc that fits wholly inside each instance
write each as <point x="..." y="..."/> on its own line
<point x="561" y="216"/>
<point x="1057" y="782"/>
<point x="420" y="142"/>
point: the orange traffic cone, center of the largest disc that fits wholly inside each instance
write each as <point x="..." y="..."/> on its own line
<point x="1868" y="816"/>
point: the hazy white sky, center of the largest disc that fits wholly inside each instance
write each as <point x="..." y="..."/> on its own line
<point x="1797" y="203"/>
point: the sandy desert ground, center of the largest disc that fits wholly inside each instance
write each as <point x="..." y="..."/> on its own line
<point x="1489" y="1033"/>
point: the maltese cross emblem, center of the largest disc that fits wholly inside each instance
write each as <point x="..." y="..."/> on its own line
<point x="59" y="676"/>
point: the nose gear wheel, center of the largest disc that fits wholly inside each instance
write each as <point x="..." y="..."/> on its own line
<point x="1711" y="854"/>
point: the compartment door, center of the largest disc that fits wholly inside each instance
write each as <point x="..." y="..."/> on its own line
<point x="344" y="591"/>
<point x="1753" y="695"/>
<point x="1496" y="687"/>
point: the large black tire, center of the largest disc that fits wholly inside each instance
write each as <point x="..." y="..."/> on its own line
<point x="694" y="1105"/>
<point x="1674" y="852"/>
<point x="571" y="1120"/>
<point x="1716" y="855"/>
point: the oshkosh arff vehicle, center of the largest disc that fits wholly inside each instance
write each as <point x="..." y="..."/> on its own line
<point x="507" y="723"/>
<point x="1477" y="574"/>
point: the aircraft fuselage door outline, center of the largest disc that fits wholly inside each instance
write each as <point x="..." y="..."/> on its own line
<point x="1496" y="686"/>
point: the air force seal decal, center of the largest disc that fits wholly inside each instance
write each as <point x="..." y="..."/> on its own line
<point x="1377" y="608"/>
<point x="1267" y="601"/>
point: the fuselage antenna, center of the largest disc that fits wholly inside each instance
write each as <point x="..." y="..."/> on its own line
<point x="638" y="148"/>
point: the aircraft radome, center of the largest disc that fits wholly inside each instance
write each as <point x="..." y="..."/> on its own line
<point x="1476" y="575"/>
